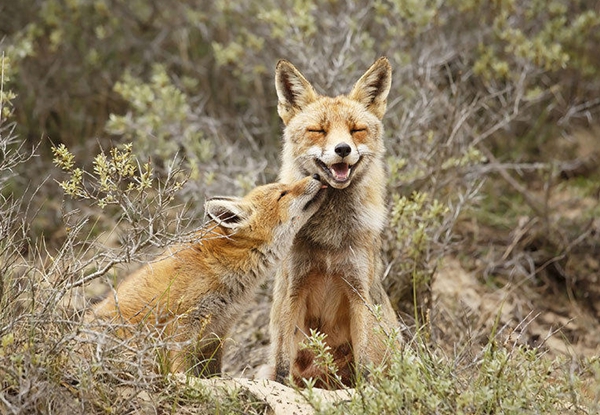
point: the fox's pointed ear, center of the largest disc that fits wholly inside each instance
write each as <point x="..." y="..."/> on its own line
<point x="226" y="211"/>
<point x="293" y="90"/>
<point x="373" y="87"/>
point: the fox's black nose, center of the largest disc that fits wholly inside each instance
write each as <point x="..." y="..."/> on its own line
<point x="342" y="149"/>
<point x="316" y="177"/>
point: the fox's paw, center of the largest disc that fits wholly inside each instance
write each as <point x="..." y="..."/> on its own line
<point x="282" y="374"/>
<point x="265" y="372"/>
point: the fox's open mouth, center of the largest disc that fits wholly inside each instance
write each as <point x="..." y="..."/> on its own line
<point x="339" y="172"/>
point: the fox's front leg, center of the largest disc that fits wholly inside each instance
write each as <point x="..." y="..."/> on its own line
<point x="207" y="356"/>
<point x="202" y="357"/>
<point x="378" y="321"/>
<point x="289" y="336"/>
<point x="368" y="343"/>
<point x="280" y="359"/>
<point x="279" y="350"/>
<point x="359" y="329"/>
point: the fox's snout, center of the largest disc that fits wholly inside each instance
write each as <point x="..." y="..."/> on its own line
<point x="342" y="149"/>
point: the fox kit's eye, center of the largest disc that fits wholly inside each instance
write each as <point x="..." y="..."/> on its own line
<point x="358" y="130"/>
<point x="285" y="192"/>
<point x="316" y="130"/>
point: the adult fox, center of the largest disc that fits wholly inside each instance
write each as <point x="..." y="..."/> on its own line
<point x="331" y="279"/>
<point x="194" y="294"/>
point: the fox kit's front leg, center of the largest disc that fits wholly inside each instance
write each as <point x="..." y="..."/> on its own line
<point x="201" y="358"/>
<point x="206" y="356"/>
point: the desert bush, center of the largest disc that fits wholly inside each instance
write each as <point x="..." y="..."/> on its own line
<point x="502" y="377"/>
<point x="509" y="381"/>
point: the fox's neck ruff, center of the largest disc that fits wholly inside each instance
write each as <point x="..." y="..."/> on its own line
<point x="347" y="214"/>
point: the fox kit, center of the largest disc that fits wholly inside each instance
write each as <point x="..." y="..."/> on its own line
<point x="195" y="293"/>
<point x="331" y="279"/>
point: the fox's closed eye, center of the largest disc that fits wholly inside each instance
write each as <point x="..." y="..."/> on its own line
<point x="285" y="192"/>
<point x="316" y="130"/>
<point x="357" y="130"/>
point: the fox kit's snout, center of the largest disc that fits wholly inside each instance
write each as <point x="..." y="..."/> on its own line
<point x="194" y="293"/>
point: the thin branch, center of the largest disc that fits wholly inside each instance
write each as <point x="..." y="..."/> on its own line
<point x="536" y="205"/>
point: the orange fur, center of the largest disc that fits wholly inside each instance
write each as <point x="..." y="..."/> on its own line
<point x="331" y="279"/>
<point x="195" y="292"/>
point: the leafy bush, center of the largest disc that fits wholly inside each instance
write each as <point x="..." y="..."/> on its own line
<point x="518" y="381"/>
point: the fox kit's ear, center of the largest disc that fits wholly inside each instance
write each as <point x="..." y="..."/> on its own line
<point x="226" y="211"/>
<point x="373" y="87"/>
<point x="293" y="90"/>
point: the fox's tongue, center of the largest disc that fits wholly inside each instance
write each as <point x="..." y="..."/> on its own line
<point x="340" y="171"/>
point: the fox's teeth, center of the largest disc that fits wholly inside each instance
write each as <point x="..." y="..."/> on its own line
<point x="340" y="171"/>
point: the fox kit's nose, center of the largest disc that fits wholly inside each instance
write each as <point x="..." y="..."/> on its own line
<point x="342" y="150"/>
<point x="316" y="177"/>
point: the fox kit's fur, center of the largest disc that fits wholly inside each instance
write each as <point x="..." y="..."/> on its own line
<point x="331" y="280"/>
<point x="195" y="293"/>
